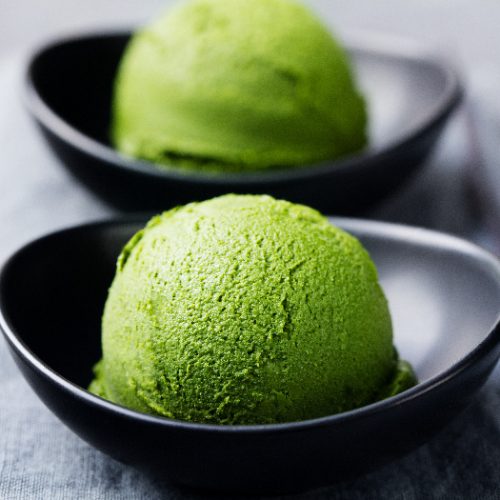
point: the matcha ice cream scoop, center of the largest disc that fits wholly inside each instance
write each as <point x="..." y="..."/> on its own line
<point x="246" y="310"/>
<point x="236" y="85"/>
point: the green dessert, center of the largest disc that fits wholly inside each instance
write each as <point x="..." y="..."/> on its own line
<point x="236" y="85"/>
<point x="246" y="310"/>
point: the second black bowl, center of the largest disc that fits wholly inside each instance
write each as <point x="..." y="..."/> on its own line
<point x="410" y="97"/>
<point x="444" y="296"/>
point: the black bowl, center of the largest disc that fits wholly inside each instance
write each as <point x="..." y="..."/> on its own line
<point x="445" y="299"/>
<point x="410" y="93"/>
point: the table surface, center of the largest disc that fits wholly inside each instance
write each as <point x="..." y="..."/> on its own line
<point x="40" y="458"/>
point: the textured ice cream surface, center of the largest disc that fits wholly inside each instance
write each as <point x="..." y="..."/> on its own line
<point x="246" y="310"/>
<point x="236" y="85"/>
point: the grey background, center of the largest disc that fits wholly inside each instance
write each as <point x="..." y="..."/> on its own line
<point x="40" y="458"/>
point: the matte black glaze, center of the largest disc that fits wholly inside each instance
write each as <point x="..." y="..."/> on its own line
<point x="68" y="92"/>
<point x="51" y="297"/>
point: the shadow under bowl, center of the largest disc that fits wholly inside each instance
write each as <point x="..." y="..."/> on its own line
<point x="410" y="95"/>
<point x="444" y="295"/>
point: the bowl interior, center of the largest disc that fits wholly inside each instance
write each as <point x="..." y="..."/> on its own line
<point x="402" y="91"/>
<point x="74" y="78"/>
<point x="444" y="294"/>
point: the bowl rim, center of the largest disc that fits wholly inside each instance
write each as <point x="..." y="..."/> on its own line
<point x="420" y="236"/>
<point x="358" y="42"/>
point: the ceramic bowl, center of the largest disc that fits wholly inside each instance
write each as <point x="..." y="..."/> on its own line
<point x="410" y="94"/>
<point x="444" y="295"/>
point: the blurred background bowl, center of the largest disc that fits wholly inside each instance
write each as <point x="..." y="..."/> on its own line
<point x="410" y="94"/>
<point x="444" y="295"/>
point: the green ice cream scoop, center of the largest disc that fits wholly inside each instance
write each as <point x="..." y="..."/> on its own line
<point x="236" y="85"/>
<point x="246" y="310"/>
